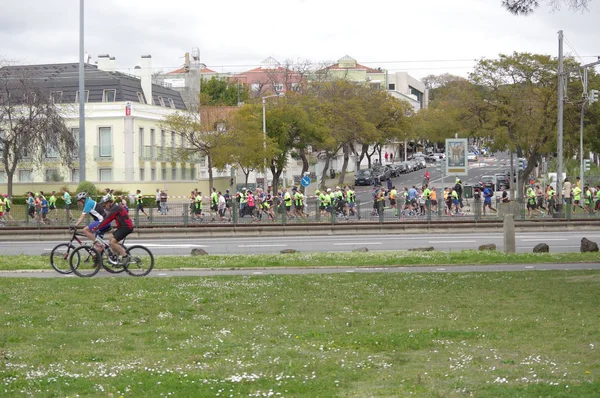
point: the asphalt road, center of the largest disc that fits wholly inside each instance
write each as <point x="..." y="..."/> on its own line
<point x="558" y="242"/>
<point x="306" y="271"/>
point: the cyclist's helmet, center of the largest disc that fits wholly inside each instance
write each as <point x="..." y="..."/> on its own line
<point x="81" y="196"/>
<point x="105" y="199"/>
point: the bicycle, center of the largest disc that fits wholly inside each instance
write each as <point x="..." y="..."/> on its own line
<point x="140" y="260"/>
<point x="59" y="257"/>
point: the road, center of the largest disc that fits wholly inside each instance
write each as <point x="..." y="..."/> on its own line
<point x="306" y="271"/>
<point x="486" y="166"/>
<point x="558" y="242"/>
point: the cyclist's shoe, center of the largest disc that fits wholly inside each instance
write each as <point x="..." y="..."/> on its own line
<point x="124" y="260"/>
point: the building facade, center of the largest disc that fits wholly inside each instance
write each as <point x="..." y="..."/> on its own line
<point x="126" y="143"/>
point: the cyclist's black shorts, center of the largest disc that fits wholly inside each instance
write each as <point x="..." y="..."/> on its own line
<point x="121" y="233"/>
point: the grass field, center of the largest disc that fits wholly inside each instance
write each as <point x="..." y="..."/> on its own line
<point x="397" y="258"/>
<point x="521" y="334"/>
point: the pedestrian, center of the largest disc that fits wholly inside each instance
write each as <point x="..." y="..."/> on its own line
<point x="139" y="201"/>
<point x="391" y="157"/>
<point x="228" y="202"/>
<point x="214" y="201"/>
<point x="387" y="155"/>
<point x="67" y="199"/>
<point x="7" y="204"/>
<point x="221" y="206"/>
<point x="43" y="209"/>
<point x="567" y="193"/>
<point x="52" y="205"/>
<point x="487" y="199"/>
<point x="164" y="207"/>
<point x="157" y="198"/>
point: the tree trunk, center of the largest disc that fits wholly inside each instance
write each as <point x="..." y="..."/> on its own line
<point x="346" y="150"/>
<point x="9" y="179"/>
<point x="324" y="173"/>
<point x="305" y="164"/>
<point x="276" y="175"/>
<point x="210" y="174"/>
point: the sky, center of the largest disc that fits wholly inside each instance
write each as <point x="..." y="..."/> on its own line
<point x="420" y="37"/>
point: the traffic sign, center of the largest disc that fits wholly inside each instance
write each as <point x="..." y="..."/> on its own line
<point x="305" y="181"/>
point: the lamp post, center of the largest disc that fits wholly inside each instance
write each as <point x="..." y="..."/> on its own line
<point x="82" y="175"/>
<point x="264" y="120"/>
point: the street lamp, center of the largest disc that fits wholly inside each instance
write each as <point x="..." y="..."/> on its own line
<point x="264" y="117"/>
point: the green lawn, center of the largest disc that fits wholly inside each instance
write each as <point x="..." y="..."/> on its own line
<point x="521" y="334"/>
<point x="380" y="259"/>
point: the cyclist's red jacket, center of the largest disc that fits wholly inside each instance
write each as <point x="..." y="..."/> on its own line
<point x="120" y="215"/>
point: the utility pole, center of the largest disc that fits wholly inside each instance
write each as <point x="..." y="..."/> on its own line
<point x="82" y="98"/>
<point x="583" y="103"/>
<point x="561" y="78"/>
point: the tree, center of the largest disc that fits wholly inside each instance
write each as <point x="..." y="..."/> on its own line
<point x="220" y="92"/>
<point x="31" y="125"/>
<point x="525" y="7"/>
<point x="204" y="134"/>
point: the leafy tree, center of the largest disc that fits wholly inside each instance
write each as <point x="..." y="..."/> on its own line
<point x="221" y="92"/>
<point x="204" y="134"/>
<point x="525" y="7"/>
<point x="31" y="125"/>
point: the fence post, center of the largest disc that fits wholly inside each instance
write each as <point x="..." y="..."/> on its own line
<point x="380" y="210"/>
<point x="137" y="217"/>
<point x="186" y="215"/>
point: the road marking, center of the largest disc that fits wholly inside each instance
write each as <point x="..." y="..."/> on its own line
<point x="162" y="274"/>
<point x="537" y="240"/>
<point x="261" y="245"/>
<point x="529" y="266"/>
<point x="184" y="246"/>
<point x="452" y="241"/>
<point x="357" y="243"/>
<point x="257" y="273"/>
<point x="440" y="269"/>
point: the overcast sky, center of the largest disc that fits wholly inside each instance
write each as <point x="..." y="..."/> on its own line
<point x="236" y="35"/>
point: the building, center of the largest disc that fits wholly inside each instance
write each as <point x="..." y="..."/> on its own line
<point x="348" y="68"/>
<point x="270" y="78"/>
<point x="126" y="145"/>
<point x="406" y="88"/>
<point x="187" y="80"/>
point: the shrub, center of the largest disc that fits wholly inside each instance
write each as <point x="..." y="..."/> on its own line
<point x="86" y="186"/>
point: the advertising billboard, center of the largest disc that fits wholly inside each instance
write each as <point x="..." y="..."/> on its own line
<point x="456" y="157"/>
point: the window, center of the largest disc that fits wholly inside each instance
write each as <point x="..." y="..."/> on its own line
<point x="75" y="175"/>
<point x="375" y="86"/>
<point x="173" y="140"/>
<point x="141" y="132"/>
<point x="105" y="174"/>
<point x="183" y="173"/>
<point x="105" y="142"/>
<point x="171" y="103"/>
<point x="392" y="86"/>
<point x="161" y="101"/>
<point x="295" y="87"/>
<point x="255" y="87"/>
<point x="56" y="97"/>
<point x="163" y="173"/>
<point x="51" y="152"/>
<point x="25" y="153"/>
<point x="278" y="87"/>
<point x="2" y="177"/>
<point x="75" y="132"/>
<point x="52" y="175"/>
<point x="163" y="138"/>
<point x="142" y="174"/>
<point x="153" y="174"/>
<point x="141" y="98"/>
<point x="152" y="137"/>
<point x="192" y="173"/>
<point x="109" y="95"/>
<point x="25" y="176"/>
<point x="202" y="161"/>
<point x="87" y="96"/>
<point x="173" y="174"/>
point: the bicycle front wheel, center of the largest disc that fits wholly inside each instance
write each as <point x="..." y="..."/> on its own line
<point x="85" y="261"/>
<point x="141" y="261"/>
<point x="59" y="258"/>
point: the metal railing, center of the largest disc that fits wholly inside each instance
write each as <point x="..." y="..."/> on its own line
<point x="184" y="214"/>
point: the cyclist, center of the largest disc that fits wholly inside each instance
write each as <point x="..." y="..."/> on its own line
<point x="120" y="215"/>
<point x="95" y="210"/>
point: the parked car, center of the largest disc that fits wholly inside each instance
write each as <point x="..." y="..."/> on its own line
<point x="363" y="177"/>
<point x="422" y="162"/>
<point x="407" y="167"/>
<point x="502" y="180"/>
<point x="488" y="182"/>
<point x="381" y="172"/>
<point x="397" y="169"/>
<point x="471" y="157"/>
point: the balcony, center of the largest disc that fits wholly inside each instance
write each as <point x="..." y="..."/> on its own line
<point x="103" y="153"/>
<point x="166" y="154"/>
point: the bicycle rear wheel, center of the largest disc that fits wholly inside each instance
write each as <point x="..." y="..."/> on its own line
<point x="59" y="258"/>
<point x="85" y="261"/>
<point x="141" y="261"/>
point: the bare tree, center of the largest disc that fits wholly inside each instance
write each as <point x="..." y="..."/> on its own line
<point x="525" y="7"/>
<point x="32" y="129"/>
